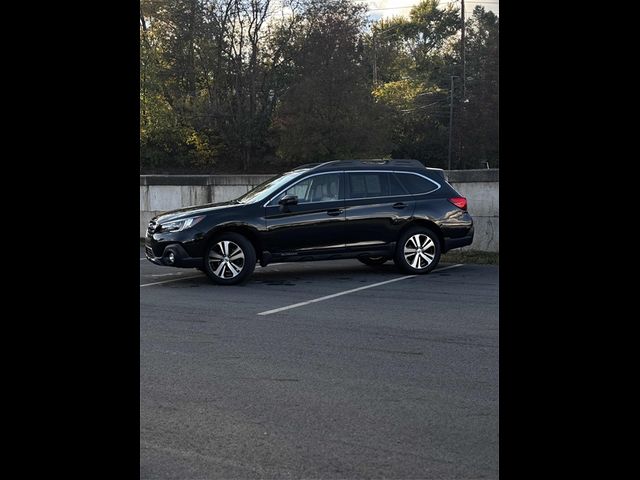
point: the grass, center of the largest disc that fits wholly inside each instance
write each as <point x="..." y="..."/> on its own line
<point x="471" y="256"/>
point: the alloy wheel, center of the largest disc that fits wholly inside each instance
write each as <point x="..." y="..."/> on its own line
<point x="419" y="251"/>
<point x="226" y="259"/>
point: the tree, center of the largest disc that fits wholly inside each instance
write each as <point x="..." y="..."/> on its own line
<point x="481" y="122"/>
<point x="168" y="86"/>
<point x="247" y="85"/>
<point x="328" y="111"/>
<point x="209" y="79"/>
<point x="415" y="58"/>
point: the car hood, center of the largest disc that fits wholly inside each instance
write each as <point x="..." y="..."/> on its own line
<point x="195" y="210"/>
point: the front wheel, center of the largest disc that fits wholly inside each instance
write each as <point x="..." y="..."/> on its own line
<point x="418" y="251"/>
<point x="229" y="259"/>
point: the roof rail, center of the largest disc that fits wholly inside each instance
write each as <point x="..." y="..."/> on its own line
<point x="374" y="161"/>
<point x="310" y="165"/>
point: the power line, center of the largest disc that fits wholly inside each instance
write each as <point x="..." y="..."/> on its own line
<point x="422" y="106"/>
<point x="416" y="4"/>
<point x="389" y="8"/>
<point x="413" y="6"/>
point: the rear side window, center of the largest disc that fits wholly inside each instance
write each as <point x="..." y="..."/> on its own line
<point x="416" y="184"/>
<point x="373" y="184"/>
<point x="394" y="186"/>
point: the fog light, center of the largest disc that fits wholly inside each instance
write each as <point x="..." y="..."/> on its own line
<point x="171" y="257"/>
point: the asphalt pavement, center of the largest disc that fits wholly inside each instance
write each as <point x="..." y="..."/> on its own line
<point x="395" y="381"/>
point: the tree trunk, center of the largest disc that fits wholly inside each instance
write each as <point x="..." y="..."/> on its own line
<point x="246" y="160"/>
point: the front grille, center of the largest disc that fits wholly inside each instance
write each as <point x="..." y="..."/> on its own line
<point x="149" y="251"/>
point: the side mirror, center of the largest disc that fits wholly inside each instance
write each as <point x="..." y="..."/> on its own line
<point x="288" y="200"/>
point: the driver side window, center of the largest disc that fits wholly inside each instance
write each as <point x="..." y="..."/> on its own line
<point x="300" y="190"/>
<point x="319" y="188"/>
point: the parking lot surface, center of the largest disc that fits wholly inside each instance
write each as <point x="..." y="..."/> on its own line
<point x="397" y="381"/>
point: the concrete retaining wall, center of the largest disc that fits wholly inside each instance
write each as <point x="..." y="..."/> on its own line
<point x="482" y="189"/>
<point x="159" y="193"/>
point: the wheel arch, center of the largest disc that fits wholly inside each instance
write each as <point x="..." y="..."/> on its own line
<point x="423" y="222"/>
<point x="250" y="233"/>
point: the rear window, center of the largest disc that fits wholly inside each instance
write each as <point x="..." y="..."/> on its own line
<point x="416" y="184"/>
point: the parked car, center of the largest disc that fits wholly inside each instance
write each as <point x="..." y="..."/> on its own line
<point x="373" y="211"/>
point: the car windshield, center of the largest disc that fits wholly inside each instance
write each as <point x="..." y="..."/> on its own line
<point x="270" y="187"/>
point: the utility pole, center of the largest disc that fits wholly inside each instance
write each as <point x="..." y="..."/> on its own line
<point x="464" y="80"/>
<point x="464" y="54"/>
<point x="375" y="60"/>
<point x="450" y="120"/>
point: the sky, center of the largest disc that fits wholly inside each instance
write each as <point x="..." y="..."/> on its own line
<point x="390" y="8"/>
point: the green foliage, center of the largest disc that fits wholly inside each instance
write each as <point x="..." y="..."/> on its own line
<point x="235" y="85"/>
<point x="481" y="119"/>
<point x="415" y="85"/>
<point x="416" y="59"/>
<point x="399" y="94"/>
<point x="329" y="112"/>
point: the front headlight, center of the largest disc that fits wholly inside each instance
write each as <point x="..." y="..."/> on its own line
<point x="180" y="225"/>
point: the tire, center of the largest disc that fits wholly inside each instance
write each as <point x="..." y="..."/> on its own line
<point x="373" y="261"/>
<point x="429" y="245"/>
<point x="240" y="259"/>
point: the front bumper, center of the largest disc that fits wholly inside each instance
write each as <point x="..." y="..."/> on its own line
<point x="174" y="255"/>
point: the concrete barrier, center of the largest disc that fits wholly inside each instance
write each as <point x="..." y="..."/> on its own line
<point x="159" y="193"/>
<point x="482" y="190"/>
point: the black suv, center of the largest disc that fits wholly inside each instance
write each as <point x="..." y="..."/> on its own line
<point x="370" y="210"/>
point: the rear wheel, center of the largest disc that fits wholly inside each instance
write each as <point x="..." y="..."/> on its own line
<point x="229" y="259"/>
<point x="418" y="251"/>
<point x="373" y="261"/>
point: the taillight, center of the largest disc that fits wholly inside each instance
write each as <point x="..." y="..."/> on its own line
<point x="459" y="202"/>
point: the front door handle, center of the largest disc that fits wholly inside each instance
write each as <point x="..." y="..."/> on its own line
<point x="399" y="205"/>
<point x="335" y="211"/>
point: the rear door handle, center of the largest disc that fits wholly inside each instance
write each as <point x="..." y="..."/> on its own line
<point x="335" y="211"/>
<point x="399" y="205"/>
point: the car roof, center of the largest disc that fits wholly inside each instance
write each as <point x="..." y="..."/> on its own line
<point x="382" y="164"/>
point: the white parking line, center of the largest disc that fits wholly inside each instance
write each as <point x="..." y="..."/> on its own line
<point x="315" y="300"/>
<point x="169" y="281"/>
